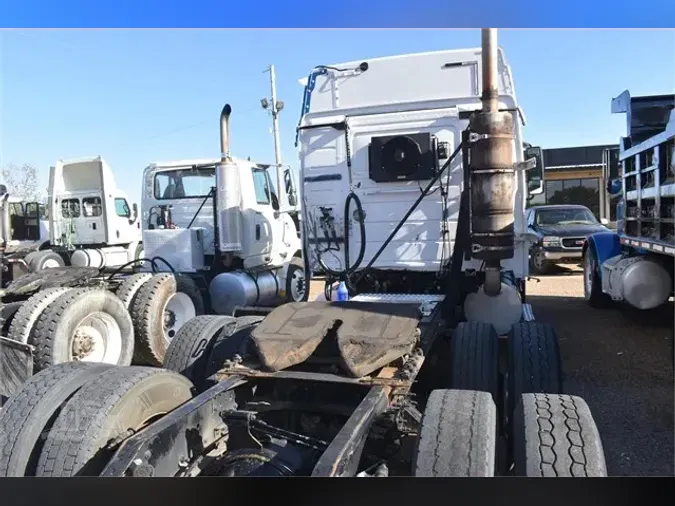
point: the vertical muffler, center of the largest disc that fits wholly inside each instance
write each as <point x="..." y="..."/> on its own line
<point x="492" y="173"/>
<point x="228" y="192"/>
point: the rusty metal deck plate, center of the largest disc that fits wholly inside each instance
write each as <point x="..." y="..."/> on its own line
<point x="368" y="335"/>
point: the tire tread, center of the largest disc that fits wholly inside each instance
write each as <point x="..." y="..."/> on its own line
<point x="458" y="435"/>
<point x="556" y="436"/>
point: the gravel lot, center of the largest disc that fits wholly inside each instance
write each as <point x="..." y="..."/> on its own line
<point x="620" y="363"/>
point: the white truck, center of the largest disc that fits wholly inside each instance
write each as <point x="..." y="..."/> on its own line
<point x="407" y="377"/>
<point x="91" y="221"/>
<point x="215" y="241"/>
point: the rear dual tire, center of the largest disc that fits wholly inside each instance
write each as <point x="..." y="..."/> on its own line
<point x="61" y="421"/>
<point x="147" y="297"/>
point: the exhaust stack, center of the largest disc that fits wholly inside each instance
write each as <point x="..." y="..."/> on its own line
<point x="228" y="193"/>
<point x="225" y="133"/>
<point x="492" y="173"/>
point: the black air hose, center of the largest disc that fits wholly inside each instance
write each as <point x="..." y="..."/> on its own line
<point x="344" y="274"/>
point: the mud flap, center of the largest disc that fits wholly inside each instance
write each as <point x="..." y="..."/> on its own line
<point x="16" y="366"/>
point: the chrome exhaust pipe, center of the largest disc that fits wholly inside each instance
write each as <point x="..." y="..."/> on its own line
<point x="225" y="133"/>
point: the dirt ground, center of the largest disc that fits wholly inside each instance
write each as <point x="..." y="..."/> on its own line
<point x="621" y="363"/>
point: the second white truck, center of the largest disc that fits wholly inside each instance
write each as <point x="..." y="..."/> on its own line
<point x="215" y="241"/>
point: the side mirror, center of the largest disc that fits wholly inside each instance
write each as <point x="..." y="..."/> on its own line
<point x="290" y="188"/>
<point x="535" y="176"/>
<point x="134" y="213"/>
<point x="604" y="221"/>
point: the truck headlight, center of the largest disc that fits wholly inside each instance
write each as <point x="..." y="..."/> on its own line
<point x="551" y="241"/>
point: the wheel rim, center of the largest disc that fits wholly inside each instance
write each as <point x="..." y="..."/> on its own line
<point x="50" y="263"/>
<point x="298" y="285"/>
<point x="177" y="311"/>
<point x="538" y="259"/>
<point x="97" y="338"/>
<point x="589" y="270"/>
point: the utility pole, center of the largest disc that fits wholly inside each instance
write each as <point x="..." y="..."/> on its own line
<point x="275" y="106"/>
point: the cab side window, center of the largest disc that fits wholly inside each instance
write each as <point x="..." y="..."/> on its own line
<point x="70" y="208"/>
<point x="122" y="208"/>
<point x="261" y="185"/>
<point x="91" y="206"/>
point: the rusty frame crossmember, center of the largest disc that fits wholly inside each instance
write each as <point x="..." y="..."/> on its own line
<point x="174" y="444"/>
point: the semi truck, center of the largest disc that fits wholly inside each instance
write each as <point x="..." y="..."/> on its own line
<point x="27" y="230"/>
<point x="634" y="264"/>
<point x="87" y="221"/>
<point x="214" y="241"/>
<point x="434" y="367"/>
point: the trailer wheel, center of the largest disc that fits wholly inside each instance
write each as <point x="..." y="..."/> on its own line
<point x="22" y="326"/>
<point x="555" y="435"/>
<point x="296" y="282"/>
<point x="86" y="324"/>
<point x="474" y="358"/>
<point x="128" y="290"/>
<point x="189" y="351"/>
<point x="122" y="400"/>
<point x="233" y="340"/>
<point x="592" y="285"/>
<point x="31" y="411"/>
<point x="458" y="435"/>
<point x="46" y="259"/>
<point x="534" y="361"/>
<point x="162" y="306"/>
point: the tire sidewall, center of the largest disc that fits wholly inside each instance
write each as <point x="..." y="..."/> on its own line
<point x="157" y="304"/>
<point x="153" y="396"/>
<point x="80" y="308"/>
<point x="38" y="261"/>
<point x="590" y="264"/>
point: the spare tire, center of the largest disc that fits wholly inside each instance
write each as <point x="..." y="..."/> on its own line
<point x="121" y="400"/>
<point x="161" y="307"/>
<point x="85" y="324"/>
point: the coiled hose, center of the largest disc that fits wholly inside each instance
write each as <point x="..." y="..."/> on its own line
<point x="345" y="274"/>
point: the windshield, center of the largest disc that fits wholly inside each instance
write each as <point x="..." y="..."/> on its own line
<point x="188" y="183"/>
<point x="569" y="216"/>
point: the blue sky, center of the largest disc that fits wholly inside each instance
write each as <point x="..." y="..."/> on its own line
<point x="136" y="96"/>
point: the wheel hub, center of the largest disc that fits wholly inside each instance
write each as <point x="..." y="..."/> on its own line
<point x="299" y="286"/>
<point x="169" y="318"/>
<point x="178" y="310"/>
<point x="83" y="343"/>
<point x="97" y="338"/>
